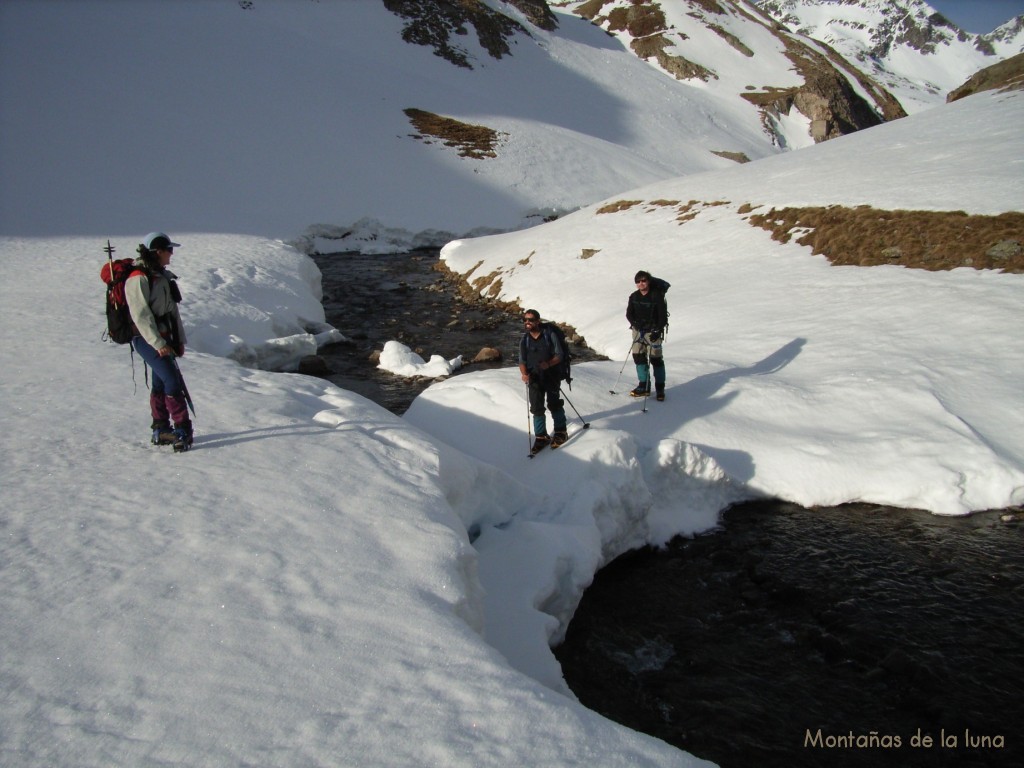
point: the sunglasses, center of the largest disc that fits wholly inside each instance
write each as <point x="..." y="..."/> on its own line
<point x="642" y="280"/>
<point x="531" y="319"/>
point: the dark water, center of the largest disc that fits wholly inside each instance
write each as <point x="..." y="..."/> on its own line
<point x="742" y="645"/>
<point x="788" y="637"/>
<point x="405" y="297"/>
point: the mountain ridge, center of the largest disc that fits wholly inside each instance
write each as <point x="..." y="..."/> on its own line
<point x="337" y="118"/>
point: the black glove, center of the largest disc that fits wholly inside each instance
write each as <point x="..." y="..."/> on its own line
<point x="655" y="335"/>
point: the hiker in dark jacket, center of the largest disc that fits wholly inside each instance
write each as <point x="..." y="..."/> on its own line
<point x="153" y="296"/>
<point x="647" y="313"/>
<point x="540" y="353"/>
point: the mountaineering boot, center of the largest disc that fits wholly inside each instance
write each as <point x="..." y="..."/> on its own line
<point x="182" y="436"/>
<point x="643" y="389"/>
<point x="162" y="432"/>
<point x="540" y="444"/>
<point x="660" y="389"/>
<point x="559" y="437"/>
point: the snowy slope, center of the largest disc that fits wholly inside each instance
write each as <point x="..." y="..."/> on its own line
<point x="321" y="583"/>
<point x="284" y="116"/>
<point x="298" y="590"/>
<point x="288" y="115"/>
<point x="960" y="160"/>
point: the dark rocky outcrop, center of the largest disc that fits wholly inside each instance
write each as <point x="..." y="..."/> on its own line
<point x="1007" y="75"/>
<point x="437" y="23"/>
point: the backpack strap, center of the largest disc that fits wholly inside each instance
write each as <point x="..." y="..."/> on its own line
<point x="552" y="341"/>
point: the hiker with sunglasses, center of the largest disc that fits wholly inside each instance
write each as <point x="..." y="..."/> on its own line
<point x="540" y="353"/>
<point x="647" y="313"/>
<point x="153" y="296"/>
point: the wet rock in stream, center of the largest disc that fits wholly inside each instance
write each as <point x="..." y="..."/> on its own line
<point x="409" y="297"/>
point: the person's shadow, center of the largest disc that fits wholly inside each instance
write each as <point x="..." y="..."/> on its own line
<point x="699" y="394"/>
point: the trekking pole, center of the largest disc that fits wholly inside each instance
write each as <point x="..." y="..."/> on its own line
<point x="650" y="373"/>
<point x="628" y="351"/>
<point x="529" y="444"/>
<point x="184" y="388"/>
<point x="586" y="424"/>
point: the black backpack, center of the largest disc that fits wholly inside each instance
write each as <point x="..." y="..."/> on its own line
<point x="660" y="285"/>
<point x="114" y="273"/>
<point x="565" y="367"/>
<point x="550" y="332"/>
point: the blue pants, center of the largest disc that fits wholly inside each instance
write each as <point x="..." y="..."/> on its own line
<point x="167" y="389"/>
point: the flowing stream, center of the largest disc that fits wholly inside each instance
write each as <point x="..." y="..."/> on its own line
<point x="847" y="636"/>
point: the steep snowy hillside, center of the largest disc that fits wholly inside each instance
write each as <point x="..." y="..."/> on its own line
<point x="918" y="54"/>
<point x="432" y="119"/>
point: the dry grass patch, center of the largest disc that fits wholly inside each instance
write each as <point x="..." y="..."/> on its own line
<point x="736" y="157"/>
<point x="618" y="205"/>
<point x="933" y="240"/>
<point x="473" y="141"/>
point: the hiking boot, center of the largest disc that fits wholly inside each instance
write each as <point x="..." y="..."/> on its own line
<point x="540" y="444"/>
<point x="661" y="393"/>
<point x="162" y="433"/>
<point x="643" y="389"/>
<point x="559" y="437"/>
<point x="182" y="437"/>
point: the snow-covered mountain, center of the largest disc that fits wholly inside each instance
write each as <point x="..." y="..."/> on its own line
<point x="374" y="125"/>
<point x="517" y="111"/>
<point x="908" y="46"/>
<point x="323" y="583"/>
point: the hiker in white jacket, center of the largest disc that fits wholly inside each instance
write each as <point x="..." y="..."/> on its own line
<point x="153" y="296"/>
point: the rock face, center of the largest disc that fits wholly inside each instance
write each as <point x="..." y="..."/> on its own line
<point x="844" y="87"/>
<point x="905" y="44"/>
<point x="830" y="97"/>
<point x="434" y="23"/>
<point x="537" y="13"/>
<point x="1007" y="75"/>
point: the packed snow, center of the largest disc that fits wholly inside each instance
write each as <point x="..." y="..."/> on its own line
<point x="320" y="582"/>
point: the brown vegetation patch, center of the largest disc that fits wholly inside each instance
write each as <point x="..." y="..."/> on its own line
<point x="588" y="252"/>
<point x="738" y="157"/>
<point x="618" y="205"/>
<point x="474" y="141"/>
<point x="491" y="282"/>
<point x="933" y="240"/>
<point x="691" y="210"/>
